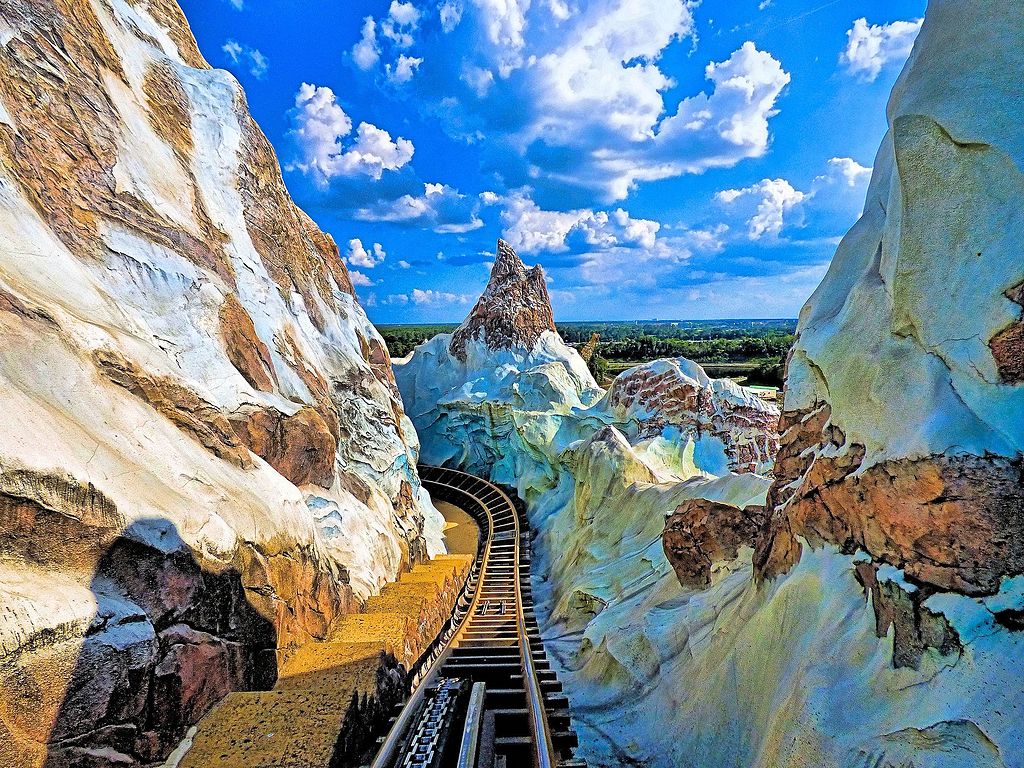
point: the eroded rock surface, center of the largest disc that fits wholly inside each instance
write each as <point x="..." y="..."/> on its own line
<point x="904" y="399"/>
<point x="204" y="456"/>
<point x="514" y="310"/>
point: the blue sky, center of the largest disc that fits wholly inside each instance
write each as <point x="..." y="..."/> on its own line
<point x="661" y="158"/>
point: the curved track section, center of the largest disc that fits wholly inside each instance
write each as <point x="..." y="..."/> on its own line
<point x="490" y="698"/>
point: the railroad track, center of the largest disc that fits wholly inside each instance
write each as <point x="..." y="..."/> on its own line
<point x="486" y="697"/>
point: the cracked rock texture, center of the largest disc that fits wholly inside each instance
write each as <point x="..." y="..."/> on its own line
<point x="904" y="399"/>
<point x="204" y="455"/>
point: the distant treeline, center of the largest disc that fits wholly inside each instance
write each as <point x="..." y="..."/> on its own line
<point x="761" y="345"/>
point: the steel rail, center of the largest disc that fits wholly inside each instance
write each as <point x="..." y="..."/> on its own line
<point x="544" y="751"/>
<point x="387" y="754"/>
<point x="494" y="503"/>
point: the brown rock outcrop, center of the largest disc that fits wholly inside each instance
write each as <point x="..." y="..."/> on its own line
<point x="245" y="349"/>
<point x="1008" y="345"/>
<point x="514" y="310"/>
<point x="954" y="522"/>
<point x="301" y="446"/>
<point x="915" y="628"/>
<point x="701" y="533"/>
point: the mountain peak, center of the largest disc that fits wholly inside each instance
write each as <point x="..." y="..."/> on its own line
<point x="514" y="310"/>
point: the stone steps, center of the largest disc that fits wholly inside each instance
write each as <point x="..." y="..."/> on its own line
<point x="296" y="725"/>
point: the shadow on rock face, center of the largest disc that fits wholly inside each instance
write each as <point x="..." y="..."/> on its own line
<point x="167" y="641"/>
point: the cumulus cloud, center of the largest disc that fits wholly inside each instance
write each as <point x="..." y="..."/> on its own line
<point x="571" y="97"/>
<point x="871" y="47"/>
<point x="251" y="58"/>
<point x="450" y="13"/>
<point x="397" y="33"/>
<point x="532" y="230"/>
<point x="359" y="256"/>
<point x="773" y="198"/>
<point x="403" y="69"/>
<point x="359" y="280"/>
<point x="441" y="208"/>
<point x="852" y="173"/>
<point x="366" y="52"/>
<point x="770" y="205"/>
<point x="429" y="297"/>
<point x="322" y="133"/>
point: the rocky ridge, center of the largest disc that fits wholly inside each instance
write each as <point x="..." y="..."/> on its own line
<point x="205" y="458"/>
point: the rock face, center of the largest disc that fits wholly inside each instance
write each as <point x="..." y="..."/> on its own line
<point x="723" y="420"/>
<point x="204" y="456"/>
<point x="514" y="311"/>
<point x="904" y="401"/>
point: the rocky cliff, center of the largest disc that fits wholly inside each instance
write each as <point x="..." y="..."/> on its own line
<point x="204" y="455"/>
<point x="905" y="396"/>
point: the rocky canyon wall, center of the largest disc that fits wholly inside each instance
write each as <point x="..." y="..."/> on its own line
<point x="204" y="456"/>
<point x="905" y="394"/>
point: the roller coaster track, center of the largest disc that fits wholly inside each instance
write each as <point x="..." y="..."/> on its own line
<point x="485" y="695"/>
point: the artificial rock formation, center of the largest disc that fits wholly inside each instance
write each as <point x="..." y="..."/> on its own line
<point x="599" y="472"/>
<point x="720" y="417"/>
<point x="204" y="456"/>
<point x="514" y="310"/>
<point x="904" y="395"/>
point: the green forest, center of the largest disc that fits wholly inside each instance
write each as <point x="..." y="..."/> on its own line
<point x="750" y="351"/>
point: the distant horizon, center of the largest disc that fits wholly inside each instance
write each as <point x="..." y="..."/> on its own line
<point x="613" y="322"/>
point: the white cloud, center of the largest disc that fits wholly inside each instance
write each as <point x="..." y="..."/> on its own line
<point x="531" y="229"/>
<point x="617" y="137"/>
<point x="252" y="58"/>
<point x="400" y="24"/>
<point x="849" y="170"/>
<point x="451" y="14"/>
<point x="233" y="49"/>
<point x="358" y="256"/>
<point x="321" y="125"/>
<point x="359" y="280"/>
<point x="429" y="298"/>
<point x="504" y="22"/>
<point x="607" y="69"/>
<point x="479" y="79"/>
<point x="432" y="298"/>
<point x="237" y="4"/>
<point x="569" y="95"/>
<point x="441" y="208"/>
<point x="403" y="264"/>
<point x="366" y="52"/>
<point x="870" y="47"/>
<point x="403" y="69"/>
<point x="774" y="198"/>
